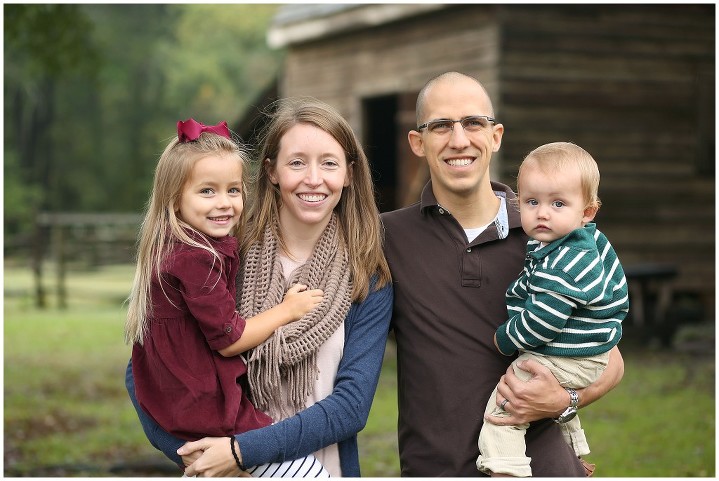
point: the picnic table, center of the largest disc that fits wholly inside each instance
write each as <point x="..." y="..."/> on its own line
<point x="651" y="290"/>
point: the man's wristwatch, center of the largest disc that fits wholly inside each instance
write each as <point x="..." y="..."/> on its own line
<point x="571" y="411"/>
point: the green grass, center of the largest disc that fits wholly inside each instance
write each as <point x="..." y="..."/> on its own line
<point x="66" y="408"/>
<point x="67" y="412"/>
<point x="660" y="421"/>
<point x="378" y="440"/>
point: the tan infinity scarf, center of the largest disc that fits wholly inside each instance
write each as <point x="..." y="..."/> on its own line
<point x="290" y="354"/>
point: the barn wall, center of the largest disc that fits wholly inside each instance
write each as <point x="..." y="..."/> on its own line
<point x="632" y="84"/>
<point x="394" y="58"/>
<point x="397" y="58"/>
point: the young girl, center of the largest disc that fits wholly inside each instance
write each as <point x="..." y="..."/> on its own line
<point x="182" y="322"/>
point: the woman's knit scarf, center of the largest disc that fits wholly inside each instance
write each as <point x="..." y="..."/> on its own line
<point x="290" y="354"/>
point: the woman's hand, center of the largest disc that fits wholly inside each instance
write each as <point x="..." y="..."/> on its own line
<point x="215" y="458"/>
<point x="188" y="459"/>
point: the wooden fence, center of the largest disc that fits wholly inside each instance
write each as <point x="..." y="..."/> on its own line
<point x="87" y="239"/>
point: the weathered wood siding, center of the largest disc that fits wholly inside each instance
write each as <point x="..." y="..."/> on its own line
<point x="632" y="84"/>
<point x="397" y="58"/>
<point x="394" y="58"/>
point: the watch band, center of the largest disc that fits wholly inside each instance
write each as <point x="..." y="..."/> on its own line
<point x="573" y="397"/>
<point x="571" y="411"/>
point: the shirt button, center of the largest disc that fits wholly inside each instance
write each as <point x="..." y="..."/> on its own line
<point x="469" y="250"/>
<point x="228" y="329"/>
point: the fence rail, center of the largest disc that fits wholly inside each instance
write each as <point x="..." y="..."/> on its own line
<point x="94" y="237"/>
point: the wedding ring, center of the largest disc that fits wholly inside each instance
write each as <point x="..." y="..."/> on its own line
<point x="504" y="403"/>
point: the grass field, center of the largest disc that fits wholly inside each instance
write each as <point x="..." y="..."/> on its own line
<point x="67" y="412"/>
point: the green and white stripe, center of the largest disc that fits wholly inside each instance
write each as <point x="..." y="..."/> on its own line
<point x="570" y="299"/>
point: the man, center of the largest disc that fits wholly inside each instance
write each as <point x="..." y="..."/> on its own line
<point x="449" y="298"/>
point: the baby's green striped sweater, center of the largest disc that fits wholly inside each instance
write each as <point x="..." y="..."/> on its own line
<point x="570" y="299"/>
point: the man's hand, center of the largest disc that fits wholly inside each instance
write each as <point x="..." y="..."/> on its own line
<point x="543" y="397"/>
<point x="540" y="397"/>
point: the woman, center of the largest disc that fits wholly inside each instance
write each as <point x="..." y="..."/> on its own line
<point x="313" y="220"/>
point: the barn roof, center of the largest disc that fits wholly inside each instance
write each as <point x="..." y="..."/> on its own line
<point x="299" y="23"/>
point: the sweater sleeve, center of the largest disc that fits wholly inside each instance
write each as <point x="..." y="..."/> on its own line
<point x="551" y="300"/>
<point x="343" y="413"/>
<point x="202" y="282"/>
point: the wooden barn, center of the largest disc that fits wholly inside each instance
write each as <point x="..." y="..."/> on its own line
<point x="632" y="84"/>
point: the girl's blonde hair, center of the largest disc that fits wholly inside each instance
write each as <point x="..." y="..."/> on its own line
<point x="161" y="227"/>
<point x="357" y="211"/>
<point x="555" y="156"/>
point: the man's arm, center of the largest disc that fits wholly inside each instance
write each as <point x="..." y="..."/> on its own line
<point x="609" y="379"/>
<point x="543" y="397"/>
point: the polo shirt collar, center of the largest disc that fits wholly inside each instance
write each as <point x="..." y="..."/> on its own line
<point x="507" y="217"/>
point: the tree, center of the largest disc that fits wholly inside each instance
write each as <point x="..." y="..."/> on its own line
<point x="93" y="92"/>
<point x="133" y="110"/>
<point x="219" y="60"/>
<point x="43" y="43"/>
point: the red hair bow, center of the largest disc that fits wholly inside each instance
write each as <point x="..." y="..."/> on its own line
<point x="190" y="130"/>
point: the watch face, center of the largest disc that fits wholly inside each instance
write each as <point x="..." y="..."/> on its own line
<point x="567" y="415"/>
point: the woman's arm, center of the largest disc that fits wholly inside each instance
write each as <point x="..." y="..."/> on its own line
<point x="343" y="413"/>
<point x="542" y="396"/>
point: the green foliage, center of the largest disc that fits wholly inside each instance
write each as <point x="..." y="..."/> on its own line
<point x="131" y="116"/>
<point x="20" y="199"/>
<point x="46" y="40"/>
<point x="218" y="59"/>
<point x="44" y="45"/>
<point x="93" y="92"/>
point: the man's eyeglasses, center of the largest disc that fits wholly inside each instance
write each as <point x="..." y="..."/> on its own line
<point x="473" y="123"/>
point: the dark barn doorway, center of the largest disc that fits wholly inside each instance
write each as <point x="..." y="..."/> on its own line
<point x="380" y="134"/>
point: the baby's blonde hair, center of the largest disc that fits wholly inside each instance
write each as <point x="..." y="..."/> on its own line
<point x="555" y="156"/>
<point x="161" y="226"/>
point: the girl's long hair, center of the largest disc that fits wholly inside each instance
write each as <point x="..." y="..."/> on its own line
<point x="161" y="227"/>
<point x="357" y="211"/>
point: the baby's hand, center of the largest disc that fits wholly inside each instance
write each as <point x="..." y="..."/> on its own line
<point x="300" y="301"/>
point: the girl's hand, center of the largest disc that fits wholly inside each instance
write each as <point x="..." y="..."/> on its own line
<point x="299" y="301"/>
